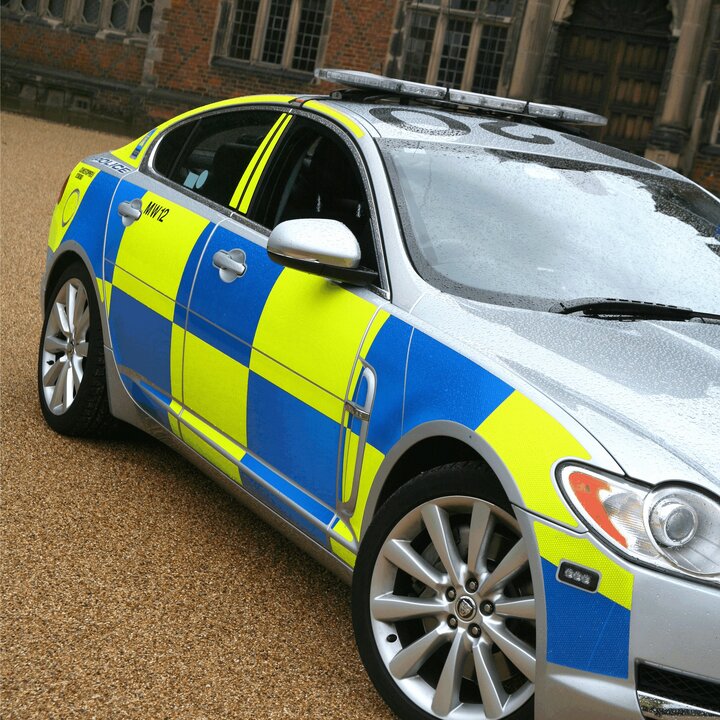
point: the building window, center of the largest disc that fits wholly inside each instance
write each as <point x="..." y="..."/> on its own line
<point x="126" y="16"/>
<point x="285" y="33"/>
<point x="457" y="43"/>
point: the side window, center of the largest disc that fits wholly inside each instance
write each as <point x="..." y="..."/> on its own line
<point x="210" y="156"/>
<point x="316" y="176"/>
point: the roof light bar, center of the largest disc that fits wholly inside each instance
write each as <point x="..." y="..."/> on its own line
<point x="405" y="88"/>
<point x="370" y="81"/>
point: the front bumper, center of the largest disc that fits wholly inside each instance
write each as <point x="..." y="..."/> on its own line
<point x="591" y="648"/>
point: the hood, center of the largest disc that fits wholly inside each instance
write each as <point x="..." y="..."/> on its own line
<point x="648" y="391"/>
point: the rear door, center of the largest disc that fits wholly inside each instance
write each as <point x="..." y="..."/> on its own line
<point x="158" y="226"/>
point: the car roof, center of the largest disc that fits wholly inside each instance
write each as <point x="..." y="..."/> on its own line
<point x="434" y="124"/>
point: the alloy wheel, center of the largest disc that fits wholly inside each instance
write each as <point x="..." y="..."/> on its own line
<point x="65" y="346"/>
<point x="452" y="609"/>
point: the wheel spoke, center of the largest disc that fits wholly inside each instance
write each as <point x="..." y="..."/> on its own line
<point x="51" y="376"/>
<point x="59" y="391"/>
<point x="517" y="608"/>
<point x="402" y="555"/>
<point x="492" y="692"/>
<point x="481" y="524"/>
<point x="411" y="658"/>
<point x="61" y="318"/>
<point x="81" y="349"/>
<point x="54" y="345"/>
<point x="519" y="653"/>
<point x="447" y="692"/>
<point x="80" y="306"/>
<point x="69" y="394"/>
<point x="508" y="567"/>
<point x="83" y="324"/>
<point x="437" y="523"/>
<point x="393" y="608"/>
<point x="71" y="305"/>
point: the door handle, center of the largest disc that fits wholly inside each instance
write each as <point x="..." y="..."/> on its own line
<point x="130" y="211"/>
<point x="230" y="263"/>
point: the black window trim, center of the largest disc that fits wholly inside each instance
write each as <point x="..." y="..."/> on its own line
<point x="147" y="167"/>
<point x="383" y="288"/>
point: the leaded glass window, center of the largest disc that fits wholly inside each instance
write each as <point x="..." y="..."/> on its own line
<point x="457" y="43"/>
<point x="286" y="33"/>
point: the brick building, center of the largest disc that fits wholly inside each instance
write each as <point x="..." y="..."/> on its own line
<point x="651" y="66"/>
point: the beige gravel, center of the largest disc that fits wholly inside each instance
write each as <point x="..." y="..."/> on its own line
<point x="132" y="587"/>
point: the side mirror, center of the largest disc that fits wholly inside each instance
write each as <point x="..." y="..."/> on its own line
<point x="321" y="247"/>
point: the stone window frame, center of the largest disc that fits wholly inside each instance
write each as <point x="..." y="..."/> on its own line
<point x="72" y="15"/>
<point x="444" y="13"/>
<point x="226" y="27"/>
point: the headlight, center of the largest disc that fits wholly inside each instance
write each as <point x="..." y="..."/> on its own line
<point x="670" y="527"/>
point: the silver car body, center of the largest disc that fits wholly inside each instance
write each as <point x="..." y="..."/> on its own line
<point x="642" y="398"/>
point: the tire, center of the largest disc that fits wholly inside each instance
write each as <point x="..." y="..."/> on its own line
<point x="426" y="625"/>
<point x="71" y="358"/>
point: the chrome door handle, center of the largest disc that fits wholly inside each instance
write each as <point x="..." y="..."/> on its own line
<point x="230" y="263"/>
<point x="130" y="211"/>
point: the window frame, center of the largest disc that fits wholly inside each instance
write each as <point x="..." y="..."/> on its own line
<point x="224" y="41"/>
<point x="383" y="287"/>
<point x="479" y="18"/>
<point x="147" y="166"/>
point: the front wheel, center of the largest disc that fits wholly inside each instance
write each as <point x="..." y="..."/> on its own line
<point x="71" y="359"/>
<point x="443" y="603"/>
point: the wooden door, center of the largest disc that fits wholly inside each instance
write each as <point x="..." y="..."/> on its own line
<point x="612" y="60"/>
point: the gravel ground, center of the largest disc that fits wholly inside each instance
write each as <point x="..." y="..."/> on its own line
<point x="132" y="586"/>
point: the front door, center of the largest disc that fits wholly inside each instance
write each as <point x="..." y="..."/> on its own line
<point x="611" y="61"/>
<point x="292" y="339"/>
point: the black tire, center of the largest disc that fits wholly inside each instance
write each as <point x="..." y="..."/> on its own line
<point x="88" y="414"/>
<point x="469" y="480"/>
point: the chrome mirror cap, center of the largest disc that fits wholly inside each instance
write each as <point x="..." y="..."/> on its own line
<point x="326" y="242"/>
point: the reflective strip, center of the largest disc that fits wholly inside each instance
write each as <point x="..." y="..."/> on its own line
<point x="616" y="583"/>
<point x="530" y="441"/>
<point x="340" y="117"/>
<point x="216" y="388"/>
<point x="127" y="153"/>
<point x="260" y="167"/>
<point x="313" y="326"/>
<point x="144" y="294"/>
<point x="254" y="161"/>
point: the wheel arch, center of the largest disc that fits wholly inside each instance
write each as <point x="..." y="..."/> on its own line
<point x="427" y="446"/>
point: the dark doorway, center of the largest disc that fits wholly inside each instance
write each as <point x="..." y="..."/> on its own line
<point x="612" y="57"/>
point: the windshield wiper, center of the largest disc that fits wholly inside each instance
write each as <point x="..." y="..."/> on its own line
<point x="617" y="307"/>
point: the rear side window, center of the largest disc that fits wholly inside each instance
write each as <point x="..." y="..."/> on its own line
<point x="210" y="156"/>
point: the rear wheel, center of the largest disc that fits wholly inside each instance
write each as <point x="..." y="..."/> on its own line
<point x="443" y="604"/>
<point x="71" y="360"/>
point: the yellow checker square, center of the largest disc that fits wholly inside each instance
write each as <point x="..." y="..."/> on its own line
<point x="616" y="583"/>
<point x="214" y="457"/>
<point x="321" y="350"/>
<point x="157" y="252"/>
<point x="215" y="388"/>
<point x="530" y="441"/>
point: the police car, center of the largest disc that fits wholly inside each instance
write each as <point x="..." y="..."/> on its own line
<point x="464" y="356"/>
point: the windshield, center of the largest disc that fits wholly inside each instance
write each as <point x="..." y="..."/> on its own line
<point x="529" y="231"/>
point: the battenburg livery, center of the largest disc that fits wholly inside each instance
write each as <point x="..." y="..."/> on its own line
<point x="465" y="356"/>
